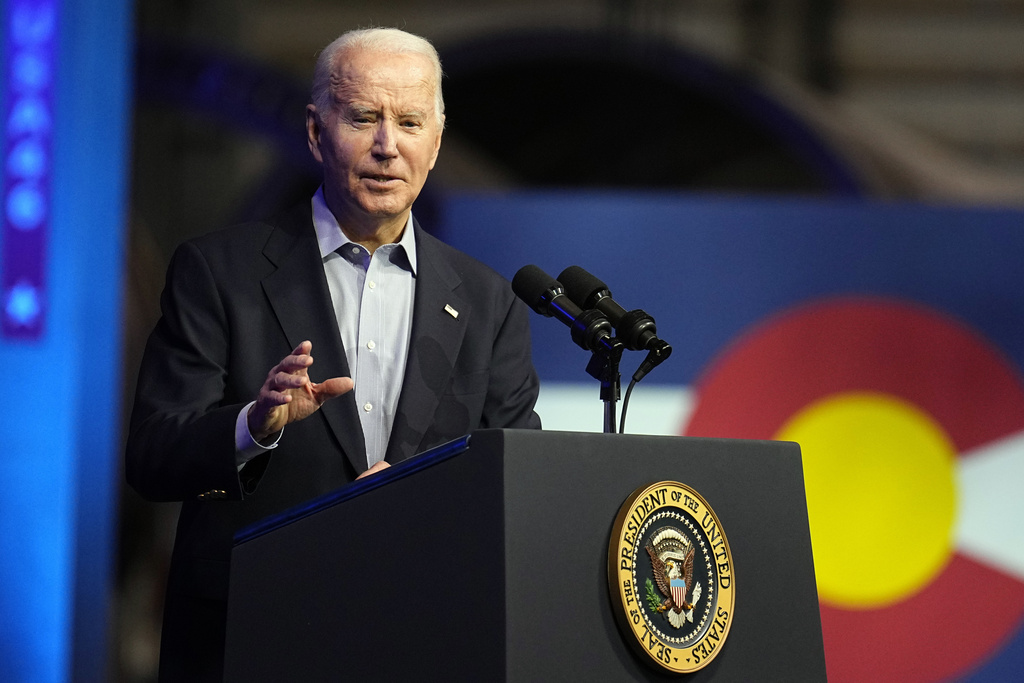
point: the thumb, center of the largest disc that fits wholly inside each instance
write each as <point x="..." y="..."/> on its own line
<point x="330" y="388"/>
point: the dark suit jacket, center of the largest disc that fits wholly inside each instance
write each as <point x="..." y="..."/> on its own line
<point x="235" y="303"/>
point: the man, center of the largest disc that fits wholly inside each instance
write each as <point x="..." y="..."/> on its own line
<point x="435" y="342"/>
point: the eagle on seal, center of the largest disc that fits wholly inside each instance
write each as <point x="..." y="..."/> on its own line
<point x="672" y="560"/>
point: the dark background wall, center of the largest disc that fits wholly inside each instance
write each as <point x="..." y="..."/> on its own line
<point x="863" y="98"/>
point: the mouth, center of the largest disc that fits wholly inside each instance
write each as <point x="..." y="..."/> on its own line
<point x="381" y="178"/>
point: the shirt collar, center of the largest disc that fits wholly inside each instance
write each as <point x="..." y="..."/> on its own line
<point x="330" y="237"/>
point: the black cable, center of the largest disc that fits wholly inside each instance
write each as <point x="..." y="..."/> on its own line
<point x="625" y="405"/>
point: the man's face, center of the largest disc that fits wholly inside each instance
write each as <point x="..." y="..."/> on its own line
<point x="379" y="139"/>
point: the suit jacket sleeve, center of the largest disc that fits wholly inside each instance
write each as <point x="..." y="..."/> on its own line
<point x="514" y="386"/>
<point x="181" y="435"/>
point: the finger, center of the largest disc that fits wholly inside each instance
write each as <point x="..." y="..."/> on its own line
<point x="299" y="358"/>
<point x="285" y="380"/>
<point x="296" y="364"/>
<point x="271" y="398"/>
<point x="377" y="467"/>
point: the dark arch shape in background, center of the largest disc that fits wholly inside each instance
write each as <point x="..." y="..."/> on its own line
<point x="550" y="109"/>
<point x="572" y="110"/>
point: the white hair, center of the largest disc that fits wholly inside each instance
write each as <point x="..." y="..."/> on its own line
<point x="389" y="40"/>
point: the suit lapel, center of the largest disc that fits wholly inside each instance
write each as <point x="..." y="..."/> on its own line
<point x="299" y="296"/>
<point x="434" y="345"/>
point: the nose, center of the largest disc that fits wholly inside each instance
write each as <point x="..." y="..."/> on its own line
<point x="384" y="140"/>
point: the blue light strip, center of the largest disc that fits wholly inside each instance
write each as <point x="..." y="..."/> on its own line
<point x="31" y="42"/>
<point x="65" y="98"/>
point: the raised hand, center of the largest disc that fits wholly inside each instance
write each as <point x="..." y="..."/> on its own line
<point x="289" y="395"/>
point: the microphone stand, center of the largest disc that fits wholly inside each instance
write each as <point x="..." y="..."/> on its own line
<point x="604" y="367"/>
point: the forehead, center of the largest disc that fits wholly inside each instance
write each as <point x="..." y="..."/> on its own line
<point x="384" y="79"/>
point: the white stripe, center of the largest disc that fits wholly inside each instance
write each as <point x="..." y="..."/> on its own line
<point x="654" y="409"/>
<point x="990" y="519"/>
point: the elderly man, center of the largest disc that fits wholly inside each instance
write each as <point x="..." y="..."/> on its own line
<point x="433" y="341"/>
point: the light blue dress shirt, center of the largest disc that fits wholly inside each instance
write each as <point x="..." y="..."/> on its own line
<point x="373" y="297"/>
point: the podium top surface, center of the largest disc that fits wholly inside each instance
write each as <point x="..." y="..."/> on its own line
<point x="357" y="488"/>
<point x="440" y="454"/>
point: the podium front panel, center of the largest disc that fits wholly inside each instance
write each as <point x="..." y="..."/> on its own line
<point x="492" y="565"/>
<point x="562" y="493"/>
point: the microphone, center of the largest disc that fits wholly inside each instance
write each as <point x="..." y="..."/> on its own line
<point x="636" y="329"/>
<point x="590" y="329"/>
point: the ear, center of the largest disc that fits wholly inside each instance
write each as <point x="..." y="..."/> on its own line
<point x="437" y="144"/>
<point x="313" y="132"/>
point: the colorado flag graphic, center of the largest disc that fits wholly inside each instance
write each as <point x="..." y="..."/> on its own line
<point x="886" y="339"/>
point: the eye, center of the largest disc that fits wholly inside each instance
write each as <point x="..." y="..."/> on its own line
<point x="361" y="117"/>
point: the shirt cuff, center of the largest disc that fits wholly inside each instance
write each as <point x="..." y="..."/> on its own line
<point x="246" y="447"/>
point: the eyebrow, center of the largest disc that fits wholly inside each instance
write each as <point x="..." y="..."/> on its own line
<point x="359" y="110"/>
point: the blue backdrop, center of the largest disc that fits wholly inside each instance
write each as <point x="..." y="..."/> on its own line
<point x="713" y="269"/>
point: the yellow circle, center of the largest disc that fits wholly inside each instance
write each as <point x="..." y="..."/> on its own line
<point x="881" y="496"/>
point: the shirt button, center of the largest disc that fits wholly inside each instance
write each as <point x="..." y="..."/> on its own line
<point x="355" y="250"/>
<point x="371" y="284"/>
<point x="367" y="407"/>
<point x="370" y="345"/>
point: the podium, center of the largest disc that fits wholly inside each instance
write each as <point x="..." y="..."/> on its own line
<point x="487" y="559"/>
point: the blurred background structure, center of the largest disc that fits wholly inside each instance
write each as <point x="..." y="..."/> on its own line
<point x="779" y="113"/>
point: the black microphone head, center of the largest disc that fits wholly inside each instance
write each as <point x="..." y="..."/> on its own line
<point x="536" y="288"/>
<point x="582" y="288"/>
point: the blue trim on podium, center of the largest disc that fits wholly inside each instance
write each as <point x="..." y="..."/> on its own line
<point x="356" y="488"/>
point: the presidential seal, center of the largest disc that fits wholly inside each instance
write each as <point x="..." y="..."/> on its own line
<point x="670" y="576"/>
